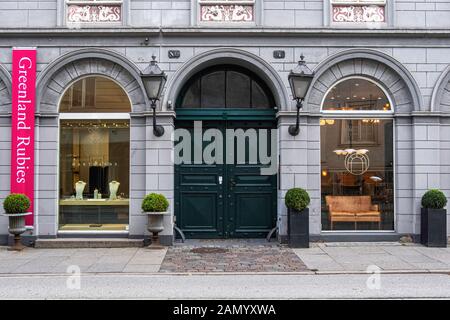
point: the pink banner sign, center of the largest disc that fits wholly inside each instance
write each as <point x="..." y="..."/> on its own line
<point x="22" y="125"/>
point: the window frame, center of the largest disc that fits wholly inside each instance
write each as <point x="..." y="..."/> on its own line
<point x="83" y="79"/>
<point x="94" y="116"/>
<point x="225" y="68"/>
<point x="358" y="113"/>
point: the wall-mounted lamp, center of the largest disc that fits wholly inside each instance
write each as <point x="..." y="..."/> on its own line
<point x="300" y="79"/>
<point x="154" y="79"/>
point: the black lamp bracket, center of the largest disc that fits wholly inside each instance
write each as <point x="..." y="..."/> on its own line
<point x="158" y="130"/>
<point x="295" y="130"/>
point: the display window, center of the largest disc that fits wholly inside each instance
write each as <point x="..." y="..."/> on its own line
<point x="357" y="159"/>
<point x="94" y="157"/>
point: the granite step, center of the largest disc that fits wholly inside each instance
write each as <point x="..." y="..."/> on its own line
<point x="88" y="243"/>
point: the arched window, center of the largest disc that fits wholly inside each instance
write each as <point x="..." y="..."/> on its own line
<point x="357" y="157"/>
<point x="94" y="158"/>
<point x="95" y="94"/>
<point x="356" y="94"/>
<point x="225" y="87"/>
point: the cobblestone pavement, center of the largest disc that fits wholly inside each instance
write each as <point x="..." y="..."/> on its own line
<point x="231" y="256"/>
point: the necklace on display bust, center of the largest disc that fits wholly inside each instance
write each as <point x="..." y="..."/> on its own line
<point x="113" y="188"/>
<point x="79" y="188"/>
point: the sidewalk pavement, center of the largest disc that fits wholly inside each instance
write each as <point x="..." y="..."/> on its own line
<point x="239" y="256"/>
<point x="389" y="257"/>
<point x="90" y="260"/>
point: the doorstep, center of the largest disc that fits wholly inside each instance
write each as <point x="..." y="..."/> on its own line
<point x="88" y="243"/>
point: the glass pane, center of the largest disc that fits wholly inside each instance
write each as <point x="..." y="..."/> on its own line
<point x="357" y="174"/>
<point x="225" y="88"/>
<point x="356" y="94"/>
<point x="238" y="90"/>
<point x="213" y="90"/>
<point x="94" y="174"/>
<point x="90" y="89"/>
<point x="259" y="97"/>
<point x="95" y="94"/>
<point x="191" y="98"/>
<point x="77" y="95"/>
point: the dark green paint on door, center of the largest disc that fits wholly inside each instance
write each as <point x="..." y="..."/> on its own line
<point x="225" y="200"/>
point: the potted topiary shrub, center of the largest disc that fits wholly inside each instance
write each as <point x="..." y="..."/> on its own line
<point x="433" y="219"/>
<point x="155" y="206"/>
<point x="16" y="207"/>
<point x="297" y="201"/>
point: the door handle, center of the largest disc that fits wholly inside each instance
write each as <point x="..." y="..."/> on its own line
<point x="232" y="182"/>
<point x="220" y="179"/>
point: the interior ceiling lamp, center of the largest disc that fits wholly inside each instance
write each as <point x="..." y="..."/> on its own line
<point x="154" y="80"/>
<point x="345" y="152"/>
<point x="300" y="79"/>
<point x="326" y="121"/>
<point x="371" y="120"/>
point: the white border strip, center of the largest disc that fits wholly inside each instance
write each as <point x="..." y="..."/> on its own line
<point x="93" y="116"/>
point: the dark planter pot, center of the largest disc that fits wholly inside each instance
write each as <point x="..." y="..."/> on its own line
<point x="433" y="227"/>
<point x="298" y="228"/>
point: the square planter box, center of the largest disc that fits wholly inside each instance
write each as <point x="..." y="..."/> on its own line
<point x="433" y="227"/>
<point x="298" y="228"/>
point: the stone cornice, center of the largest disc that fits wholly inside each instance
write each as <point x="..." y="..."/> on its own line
<point x="253" y="31"/>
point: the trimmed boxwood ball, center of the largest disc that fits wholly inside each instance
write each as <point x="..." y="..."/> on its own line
<point x="155" y="202"/>
<point x="297" y="198"/>
<point x="16" y="203"/>
<point x="434" y="199"/>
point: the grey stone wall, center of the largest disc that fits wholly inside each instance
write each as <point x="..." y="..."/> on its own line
<point x="151" y="170"/>
<point x="46" y="175"/>
<point x="422" y="14"/>
<point x="5" y="171"/>
<point x="300" y="167"/>
<point x="166" y="13"/>
<point x="445" y="160"/>
<point x="299" y="14"/>
<point x="415" y="65"/>
<point x="28" y="14"/>
<point x="5" y="146"/>
<point x="182" y="13"/>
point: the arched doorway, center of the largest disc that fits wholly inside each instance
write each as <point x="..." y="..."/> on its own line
<point x="357" y="157"/>
<point x="94" y="149"/>
<point x="225" y="144"/>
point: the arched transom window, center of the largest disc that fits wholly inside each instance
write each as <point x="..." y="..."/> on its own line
<point x="225" y="87"/>
<point x="95" y="94"/>
<point x="356" y="94"/>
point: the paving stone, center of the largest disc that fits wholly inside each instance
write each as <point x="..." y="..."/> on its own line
<point x="431" y="266"/>
<point x="106" y="267"/>
<point x="309" y="251"/>
<point x="141" y="268"/>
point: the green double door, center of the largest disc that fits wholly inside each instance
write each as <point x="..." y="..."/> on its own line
<point x="226" y="200"/>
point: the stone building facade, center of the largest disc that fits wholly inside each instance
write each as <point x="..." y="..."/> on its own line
<point x="401" y="46"/>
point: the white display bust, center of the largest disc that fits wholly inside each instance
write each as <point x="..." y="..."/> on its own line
<point x="113" y="188"/>
<point x="79" y="188"/>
